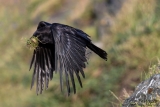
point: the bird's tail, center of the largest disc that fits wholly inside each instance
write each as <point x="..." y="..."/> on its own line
<point x="97" y="50"/>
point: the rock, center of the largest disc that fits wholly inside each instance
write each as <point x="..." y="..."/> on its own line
<point x="147" y="92"/>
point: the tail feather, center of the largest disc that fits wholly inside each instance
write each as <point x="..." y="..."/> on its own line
<point x="97" y="50"/>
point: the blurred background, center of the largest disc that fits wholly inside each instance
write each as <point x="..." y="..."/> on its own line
<point x="127" y="29"/>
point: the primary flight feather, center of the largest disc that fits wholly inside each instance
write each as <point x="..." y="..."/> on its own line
<point x="59" y="48"/>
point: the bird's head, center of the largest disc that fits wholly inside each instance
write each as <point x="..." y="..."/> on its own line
<point x="43" y="35"/>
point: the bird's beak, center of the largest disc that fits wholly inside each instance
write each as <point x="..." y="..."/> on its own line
<point x="35" y="34"/>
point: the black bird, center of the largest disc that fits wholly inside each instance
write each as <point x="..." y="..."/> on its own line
<point x="59" y="48"/>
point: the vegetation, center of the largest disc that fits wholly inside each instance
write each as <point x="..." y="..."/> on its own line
<point x="131" y="41"/>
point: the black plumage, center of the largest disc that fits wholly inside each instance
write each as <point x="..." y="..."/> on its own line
<point x="60" y="48"/>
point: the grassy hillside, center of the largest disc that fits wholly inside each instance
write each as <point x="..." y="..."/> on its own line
<point x="130" y="36"/>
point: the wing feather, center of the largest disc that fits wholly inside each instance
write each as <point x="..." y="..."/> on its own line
<point x="38" y="71"/>
<point x="50" y="62"/>
<point x="32" y="61"/>
<point x="70" y="57"/>
<point x="34" y="72"/>
<point x="47" y="66"/>
<point x="43" y="68"/>
<point x="67" y="82"/>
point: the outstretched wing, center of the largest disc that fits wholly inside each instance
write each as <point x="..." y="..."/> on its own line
<point x="70" y="57"/>
<point x="43" y="61"/>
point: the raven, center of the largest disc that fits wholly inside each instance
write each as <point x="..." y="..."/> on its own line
<point x="59" y="48"/>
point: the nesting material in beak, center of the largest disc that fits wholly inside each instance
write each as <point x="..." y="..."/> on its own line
<point x="32" y="42"/>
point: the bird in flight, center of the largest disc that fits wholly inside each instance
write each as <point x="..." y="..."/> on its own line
<point x="59" y="48"/>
